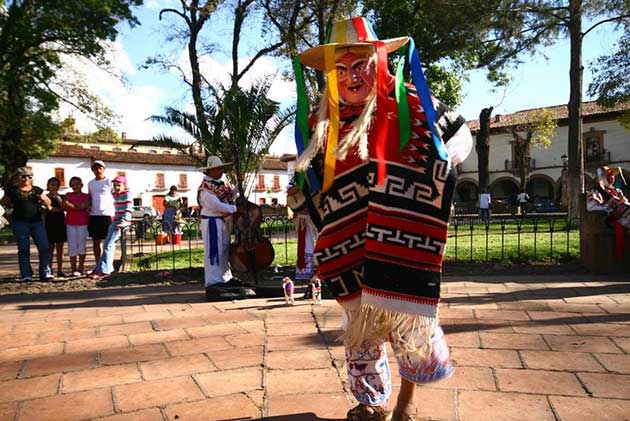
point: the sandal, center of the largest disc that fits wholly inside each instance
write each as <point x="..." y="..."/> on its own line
<point x="404" y="416"/>
<point x="363" y="412"/>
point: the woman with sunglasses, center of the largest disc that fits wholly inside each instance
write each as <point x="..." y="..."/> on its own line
<point x="27" y="202"/>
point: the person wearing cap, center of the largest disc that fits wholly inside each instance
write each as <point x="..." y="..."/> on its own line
<point x="27" y="202"/>
<point x="604" y="196"/>
<point x="377" y="171"/>
<point x="102" y="207"/>
<point x="216" y="198"/>
<point x="123" y="206"/>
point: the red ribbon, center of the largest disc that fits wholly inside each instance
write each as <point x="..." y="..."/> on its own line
<point x="382" y="121"/>
<point x="359" y="27"/>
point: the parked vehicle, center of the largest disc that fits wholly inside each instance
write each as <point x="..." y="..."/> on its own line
<point x="144" y="212"/>
<point x="545" y="206"/>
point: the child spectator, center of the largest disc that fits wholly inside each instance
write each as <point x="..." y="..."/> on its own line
<point x="55" y="223"/>
<point x="77" y="204"/>
<point x="122" y="218"/>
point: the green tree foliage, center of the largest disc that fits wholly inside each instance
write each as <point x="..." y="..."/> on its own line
<point x="248" y="122"/>
<point x="35" y="36"/>
<point x="531" y="129"/>
<point x="611" y="84"/>
<point x="243" y="124"/>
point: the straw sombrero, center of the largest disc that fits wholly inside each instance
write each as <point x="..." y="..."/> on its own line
<point x="214" y="162"/>
<point x="353" y="32"/>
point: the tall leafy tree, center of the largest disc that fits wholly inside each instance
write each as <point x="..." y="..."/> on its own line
<point x="35" y="35"/>
<point x="193" y="15"/>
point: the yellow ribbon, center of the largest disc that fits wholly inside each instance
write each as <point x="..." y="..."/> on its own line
<point x="333" y="112"/>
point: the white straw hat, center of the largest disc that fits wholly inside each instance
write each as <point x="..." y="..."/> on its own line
<point x="215" y="162"/>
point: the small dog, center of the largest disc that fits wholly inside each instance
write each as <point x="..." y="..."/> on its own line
<point x="287" y="287"/>
<point x="316" y="290"/>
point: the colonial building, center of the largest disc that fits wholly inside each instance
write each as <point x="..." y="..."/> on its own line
<point x="605" y="142"/>
<point x="151" y="170"/>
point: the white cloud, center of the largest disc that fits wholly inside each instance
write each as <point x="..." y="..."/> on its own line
<point x="132" y="103"/>
<point x="157" y="4"/>
<point x="218" y="72"/>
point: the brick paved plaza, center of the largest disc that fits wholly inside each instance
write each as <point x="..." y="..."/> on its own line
<point x="526" y="348"/>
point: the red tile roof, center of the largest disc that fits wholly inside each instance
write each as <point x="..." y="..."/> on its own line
<point x="590" y="111"/>
<point x="272" y="163"/>
<point x="77" y="151"/>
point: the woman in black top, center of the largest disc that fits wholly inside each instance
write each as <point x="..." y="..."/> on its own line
<point x="26" y="220"/>
<point x="55" y="222"/>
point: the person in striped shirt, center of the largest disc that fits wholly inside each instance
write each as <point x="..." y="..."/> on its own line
<point x="122" y="218"/>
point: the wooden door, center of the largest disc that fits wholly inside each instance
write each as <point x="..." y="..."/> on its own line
<point x="158" y="203"/>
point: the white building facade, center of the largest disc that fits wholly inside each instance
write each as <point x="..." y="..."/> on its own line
<point x="605" y="142"/>
<point x="151" y="171"/>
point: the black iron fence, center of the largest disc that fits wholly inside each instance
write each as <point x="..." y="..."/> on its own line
<point x="146" y="245"/>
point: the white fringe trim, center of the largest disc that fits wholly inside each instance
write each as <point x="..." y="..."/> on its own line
<point x="371" y="324"/>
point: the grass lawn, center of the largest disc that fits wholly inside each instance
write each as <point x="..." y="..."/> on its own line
<point x="520" y="241"/>
<point x="6" y="234"/>
<point x="512" y="242"/>
<point x="183" y="259"/>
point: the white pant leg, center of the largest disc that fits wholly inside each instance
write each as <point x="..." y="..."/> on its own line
<point x="77" y="239"/>
<point x="214" y="274"/>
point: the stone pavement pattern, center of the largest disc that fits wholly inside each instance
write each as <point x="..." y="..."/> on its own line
<point x="540" y="348"/>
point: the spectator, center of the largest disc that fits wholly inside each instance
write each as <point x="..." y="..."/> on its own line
<point x="55" y="222"/>
<point x="77" y="205"/>
<point x="172" y="205"/>
<point x="523" y="200"/>
<point x="485" y="201"/>
<point x="123" y="205"/>
<point x="26" y="221"/>
<point x="102" y="207"/>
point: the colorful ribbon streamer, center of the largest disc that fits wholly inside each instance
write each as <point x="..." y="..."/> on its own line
<point x="332" y="94"/>
<point x="425" y="97"/>
<point x="381" y="111"/>
<point x="302" y="133"/>
<point x="404" y="123"/>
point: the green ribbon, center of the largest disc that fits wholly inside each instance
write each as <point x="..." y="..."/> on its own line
<point x="404" y="125"/>
<point x="302" y="132"/>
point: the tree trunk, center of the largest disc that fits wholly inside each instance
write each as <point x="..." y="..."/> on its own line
<point x="520" y="149"/>
<point x="575" y="182"/>
<point x="196" y="80"/>
<point x="482" y="146"/>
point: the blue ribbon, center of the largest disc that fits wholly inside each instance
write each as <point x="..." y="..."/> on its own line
<point x="425" y="97"/>
<point x="213" y="252"/>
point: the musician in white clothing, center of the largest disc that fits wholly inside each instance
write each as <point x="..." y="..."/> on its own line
<point x="216" y="198"/>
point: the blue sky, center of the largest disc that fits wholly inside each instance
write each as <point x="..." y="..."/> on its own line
<point x="542" y="80"/>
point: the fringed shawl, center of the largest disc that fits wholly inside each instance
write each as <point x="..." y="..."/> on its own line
<point x="380" y="246"/>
